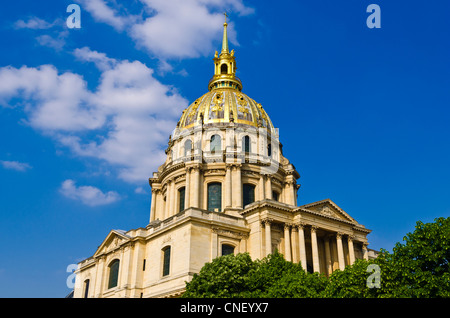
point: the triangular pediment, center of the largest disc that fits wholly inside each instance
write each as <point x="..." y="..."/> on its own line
<point x="330" y="209"/>
<point x="113" y="240"/>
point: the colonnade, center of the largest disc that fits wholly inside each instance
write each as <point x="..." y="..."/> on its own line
<point x="164" y="204"/>
<point x="295" y="248"/>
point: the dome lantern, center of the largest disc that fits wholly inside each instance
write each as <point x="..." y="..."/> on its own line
<point x="225" y="66"/>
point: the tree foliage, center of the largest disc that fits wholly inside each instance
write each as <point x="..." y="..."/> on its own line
<point x="419" y="267"/>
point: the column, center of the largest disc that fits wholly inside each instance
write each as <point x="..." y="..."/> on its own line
<point x="328" y="265"/>
<point x="340" y="250"/>
<point x="351" y="251"/>
<point x="269" y="187"/>
<point x="136" y="276"/>
<point x="168" y="199"/>
<point x="268" y="236"/>
<point x="99" y="277"/>
<point x="195" y="187"/>
<point x="153" y="205"/>
<point x="294" y="235"/>
<point x="214" y="244"/>
<point x="261" y="188"/>
<point x="365" y="252"/>
<point x="237" y="187"/>
<point x="287" y="243"/>
<point x="295" y="188"/>
<point x="187" y="189"/>
<point x="124" y="268"/>
<point x="228" y="187"/>
<point x="173" y="199"/>
<point x="315" y="250"/>
<point x="302" y="246"/>
<point x="289" y="193"/>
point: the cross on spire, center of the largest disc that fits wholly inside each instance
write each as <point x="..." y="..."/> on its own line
<point x="225" y="37"/>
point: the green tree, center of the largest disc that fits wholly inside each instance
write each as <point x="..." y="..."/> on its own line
<point x="226" y="276"/>
<point x="351" y="282"/>
<point x="419" y="267"/>
<point x="239" y="276"/>
<point x="276" y="277"/>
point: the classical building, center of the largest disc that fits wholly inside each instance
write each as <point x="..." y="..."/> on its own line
<point x="225" y="188"/>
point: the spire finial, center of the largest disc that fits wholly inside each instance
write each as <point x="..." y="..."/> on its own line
<point x="225" y="66"/>
<point x="225" y="36"/>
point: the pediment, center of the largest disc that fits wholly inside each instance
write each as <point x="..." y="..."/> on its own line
<point x="113" y="240"/>
<point x="330" y="209"/>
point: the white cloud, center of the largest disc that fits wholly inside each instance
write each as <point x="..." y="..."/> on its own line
<point x="15" y="165"/>
<point x="184" y="29"/>
<point x="59" y="101"/>
<point x="56" y="42"/>
<point x="34" y="23"/>
<point x="88" y="195"/>
<point x="140" y="190"/>
<point x="102" y="62"/>
<point x="125" y="121"/>
<point x="103" y="12"/>
<point x="173" y="29"/>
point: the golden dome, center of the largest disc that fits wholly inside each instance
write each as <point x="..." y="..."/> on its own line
<point x="225" y="106"/>
<point x="225" y="103"/>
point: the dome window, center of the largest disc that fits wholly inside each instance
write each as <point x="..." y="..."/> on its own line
<point x="246" y="145"/>
<point x="187" y="147"/>
<point x="215" y="144"/>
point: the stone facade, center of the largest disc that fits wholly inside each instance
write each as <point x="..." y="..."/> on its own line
<point x="227" y="140"/>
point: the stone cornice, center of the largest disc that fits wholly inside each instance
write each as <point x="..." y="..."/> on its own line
<point x="268" y="203"/>
<point x="169" y="170"/>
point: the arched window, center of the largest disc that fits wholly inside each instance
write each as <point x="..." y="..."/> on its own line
<point x="269" y="150"/>
<point x="246" y="145"/>
<point x="223" y="69"/>
<point x="215" y="197"/>
<point x="182" y="195"/>
<point x="166" y="261"/>
<point x="248" y="193"/>
<point x="86" y="288"/>
<point x="215" y="143"/>
<point x="227" y="249"/>
<point x="113" y="273"/>
<point x="187" y="147"/>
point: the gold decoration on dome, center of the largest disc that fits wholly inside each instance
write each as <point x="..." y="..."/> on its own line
<point x="194" y="109"/>
<point x="241" y="100"/>
<point x="263" y="113"/>
<point x="218" y="102"/>
<point x="243" y="109"/>
<point x="191" y="114"/>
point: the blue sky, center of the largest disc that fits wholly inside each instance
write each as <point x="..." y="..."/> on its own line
<point x="85" y="114"/>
